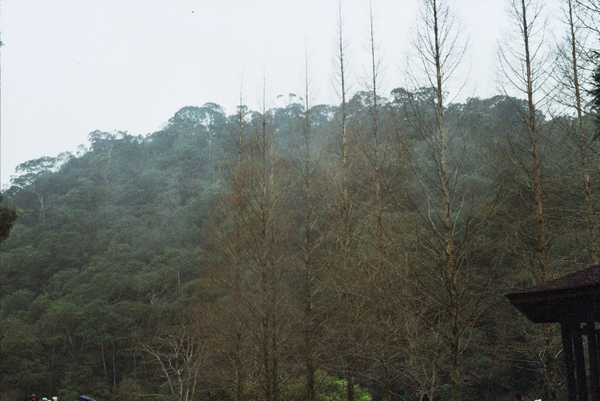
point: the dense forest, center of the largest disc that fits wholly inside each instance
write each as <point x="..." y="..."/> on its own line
<point x="358" y="251"/>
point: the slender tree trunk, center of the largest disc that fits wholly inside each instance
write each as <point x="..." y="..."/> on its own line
<point x="449" y="254"/>
<point x="103" y="360"/>
<point x="346" y="226"/>
<point x="238" y="187"/>
<point x="536" y="174"/>
<point x="542" y="242"/>
<point x="381" y="265"/>
<point x="114" y="366"/>
<point x="308" y="250"/>
<point x="266" y="237"/>
<point x="583" y="143"/>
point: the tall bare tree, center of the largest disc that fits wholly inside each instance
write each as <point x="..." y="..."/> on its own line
<point x="309" y="242"/>
<point x="527" y="67"/>
<point x="230" y="236"/>
<point x="447" y="218"/>
<point x="238" y="206"/>
<point x="268" y="230"/>
<point x="377" y="246"/>
<point x="574" y="70"/>
<point x="343" y="267"/>
<point x="528" y="73"/>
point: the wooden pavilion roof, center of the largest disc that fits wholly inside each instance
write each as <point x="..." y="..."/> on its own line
<point x="569" y="298"/>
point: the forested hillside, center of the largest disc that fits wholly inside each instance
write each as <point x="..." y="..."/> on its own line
<point x="357" y="251"/>
<point x="135" y="264"/>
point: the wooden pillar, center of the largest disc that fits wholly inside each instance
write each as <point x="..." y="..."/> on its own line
<point x="580" y="373"/>
<point x="592" y="335"/>
<point x="567" y="340"/>
<point x="574" y="302"/>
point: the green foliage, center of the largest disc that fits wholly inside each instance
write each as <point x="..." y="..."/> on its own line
<point x="331" y="389"/>
<point x="22" y="363"/>
<point x="7" y="218"/>
<point x="106" y="243"/>
<point x="125" y="241"/>
<point x="328" y="388"/>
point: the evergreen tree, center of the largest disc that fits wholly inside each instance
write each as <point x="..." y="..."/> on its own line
<point x="8" y="216"/>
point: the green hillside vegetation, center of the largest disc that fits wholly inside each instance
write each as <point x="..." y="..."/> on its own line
<point x="173" y="266"/>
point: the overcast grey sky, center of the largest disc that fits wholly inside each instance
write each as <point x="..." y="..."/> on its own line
<point x="69" y="67"/>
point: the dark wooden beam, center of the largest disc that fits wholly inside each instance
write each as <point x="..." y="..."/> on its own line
<point x="580" y="374"/>
<point x="592" y="335"/>
<point x="567" y="340"/>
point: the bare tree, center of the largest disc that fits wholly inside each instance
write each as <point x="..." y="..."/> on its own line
<point x="238" y="205"/>
<point x="590" y="12"/>
<point x="574" y="70"/>
<point x="181" y="355"/>
<point x="423" y="356"/>
<point x="309" y="242"/>
<point x="527" y="67"/>
<point x="377" y="244"/>
<point x="448" y="219"/>
<point x="230" y="236"/>
<point x="343" y="266"/>
<point x="268" y="232"/>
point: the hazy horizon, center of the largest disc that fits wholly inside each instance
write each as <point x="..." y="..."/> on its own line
<point x="70" y="67"/>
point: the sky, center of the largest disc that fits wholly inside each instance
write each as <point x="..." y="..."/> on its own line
<point x="70" y="67"/>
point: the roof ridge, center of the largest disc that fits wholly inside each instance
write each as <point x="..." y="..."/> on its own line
<point x="588" y="276"/>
